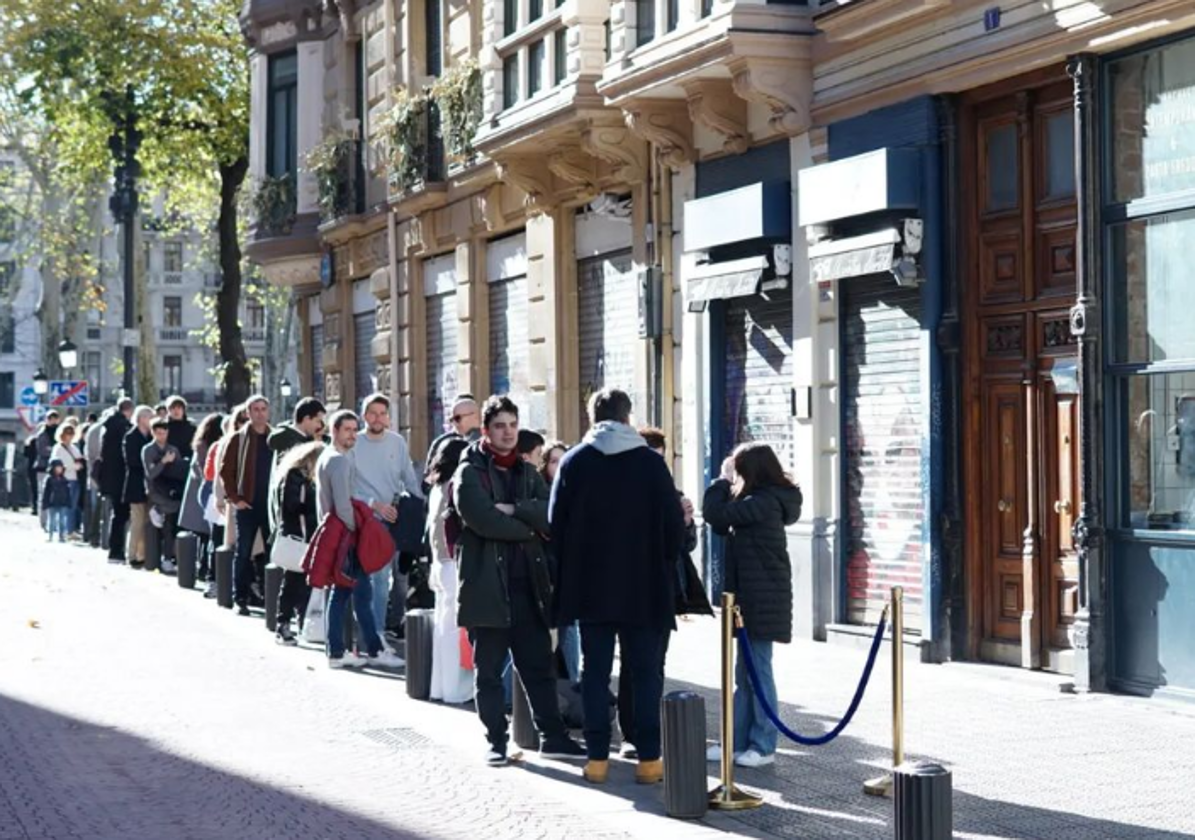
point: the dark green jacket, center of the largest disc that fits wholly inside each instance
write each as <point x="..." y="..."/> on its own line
<point x="489" y="537"/>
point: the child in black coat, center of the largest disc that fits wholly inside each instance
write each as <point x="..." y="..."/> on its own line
<point x="56" y="501"/>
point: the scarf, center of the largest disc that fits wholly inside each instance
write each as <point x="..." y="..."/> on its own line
<point x="506" y="461"/>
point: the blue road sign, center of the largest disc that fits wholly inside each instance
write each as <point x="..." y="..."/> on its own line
<point x="28" y="396"/>
<point x="70" y="394"/>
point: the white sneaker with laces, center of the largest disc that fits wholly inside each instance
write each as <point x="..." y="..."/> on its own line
<point x="387" y="659"/>
<point x="714" y="754"/>
<point x="349" y="660"/>
<point x="751" y="758"/>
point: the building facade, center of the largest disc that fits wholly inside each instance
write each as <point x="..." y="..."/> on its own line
<point x="906" y="243"/>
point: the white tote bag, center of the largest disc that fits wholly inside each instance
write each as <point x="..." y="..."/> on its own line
<point x="313" y="622"/>
<point x="288" y="552"/>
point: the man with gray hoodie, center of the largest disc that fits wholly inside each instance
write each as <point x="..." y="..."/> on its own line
<point x="617" y="529"/>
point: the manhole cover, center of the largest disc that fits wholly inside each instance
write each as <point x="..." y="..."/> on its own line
<point x="398" y="739"/>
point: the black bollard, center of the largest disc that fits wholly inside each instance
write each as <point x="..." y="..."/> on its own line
<point x="105" y="520"/>
<point x="186" y="549"/>
<point x="223" y="562"/>
<point x="922" y="798"/>
<point x="683" y="731"/>
<point x="273" y="587"/>
<point x="419" y="626"/>
<point x="522" y="725"/>
<point x="153" y="547"/>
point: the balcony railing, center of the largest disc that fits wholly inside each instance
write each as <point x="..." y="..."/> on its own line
<point x="274" y="205"/>
<point x="339" y="176"/>
<point x="173" y="334"/>
<point x="254" y="334"/>
<point x="416" y="146"/>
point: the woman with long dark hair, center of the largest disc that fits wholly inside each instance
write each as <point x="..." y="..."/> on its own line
<point x="750" y="505"/>
<point x="294" y="513"/>
<point x="451" y="683"/>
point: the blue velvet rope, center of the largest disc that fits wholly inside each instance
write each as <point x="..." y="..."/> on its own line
<point x="749" y="658"/>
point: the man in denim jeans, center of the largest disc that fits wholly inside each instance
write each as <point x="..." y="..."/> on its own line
<point x="334" y="479"/>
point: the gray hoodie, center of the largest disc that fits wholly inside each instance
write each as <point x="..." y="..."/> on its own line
<point x="611" y="438"/>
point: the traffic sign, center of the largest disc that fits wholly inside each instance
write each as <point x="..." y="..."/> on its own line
<point x="69" y="394"/>
<point x="29" y="396"/>
<point x="31" y="415"/>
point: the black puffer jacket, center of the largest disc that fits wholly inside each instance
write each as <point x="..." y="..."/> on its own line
<point x="134" y="480"/>
<point x="112" y="467"/>
<point x="758" y="570"/>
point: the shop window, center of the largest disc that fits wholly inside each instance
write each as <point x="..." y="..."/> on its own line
<point x="1003" y="167"/>
<point x="172" y="312"/>
<point x="282" y="115"/>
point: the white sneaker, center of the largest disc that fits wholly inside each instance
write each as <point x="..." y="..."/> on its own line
<point x="386" y="659"/>
<point x="168" y="567"/>
<point x="714" y="754"/>
<point x="349" y="660"/>
<point x="751" y="758"/>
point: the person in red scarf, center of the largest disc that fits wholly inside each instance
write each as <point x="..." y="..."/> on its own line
<point x="505" y="595"/>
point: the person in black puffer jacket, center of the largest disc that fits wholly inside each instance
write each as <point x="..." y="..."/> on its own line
<point x="750" y="505"/>
<point x="293" y="513"/>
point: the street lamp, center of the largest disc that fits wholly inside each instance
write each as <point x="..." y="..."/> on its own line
<point x="68" y="354"/>
<point x="284" y="388"/>
<point x="41" y="383"/>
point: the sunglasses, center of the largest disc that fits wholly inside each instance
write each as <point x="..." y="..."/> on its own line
<point x="456" y="418"/>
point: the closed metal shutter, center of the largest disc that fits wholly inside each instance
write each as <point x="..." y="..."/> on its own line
<point x="608" y="307"/>
<point x="884" y="427"/>
<point x="365" y="373"/>
<point x="441" y="359"/>
<point x="317" y="361"/>
<point x="509" y="339"/>
<point x="759" y="373"/>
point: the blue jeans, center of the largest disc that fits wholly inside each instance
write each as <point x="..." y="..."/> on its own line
<point x="72" y="519"/>
<point x="361" y="595"/>
<point x="570" y="648"/>
<point x="752" y="729"/>
<point x="641" y="651"/>
<point x="57" y="519"/>
<point x="380" y="582"/>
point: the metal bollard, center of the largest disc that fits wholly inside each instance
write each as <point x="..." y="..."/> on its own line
<point x="922" y="794"/>
<point x="186" y="549"/>
<point x="273" y="586"/>
<point x="153" y="547"/>
<point x="522" y="725"/>
<point x="419" y="627"/>
<point x="685" y="796"/>
<point x="223" y="560"/>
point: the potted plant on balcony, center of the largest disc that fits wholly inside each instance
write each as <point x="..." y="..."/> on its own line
<point x="272" y="204"/>
<point x="404" y="132"/>
<point x="458" y="93"/>
<point x="331" y="162"/>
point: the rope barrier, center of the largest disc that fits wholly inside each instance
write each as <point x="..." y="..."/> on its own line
<point x="749" y="658"/>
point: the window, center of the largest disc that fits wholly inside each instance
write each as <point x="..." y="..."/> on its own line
<point x="510" y="16"/>
<point x="560" y="58"/>
<point x="147" y="254"/>
<point x="172" y="312"/>
<point x="174" y="257"/>
<point x="8" y="224"/>
<point x="673" y="14"/>
<point x="535" y="67"/>
<point x="172" y="374"/>
<point x="256" y="315"/>
<point x="433" y="25"/>
<point x="93" y="368"/>
<point x="282" y="118"/>
<point x="1003" y="172"/>
<point x="535" y="10"/>
<point x="645" y="21"/>
<point x="7" y="390"/>
<point x="707" y="8"/>
<point x="510" y="81"/>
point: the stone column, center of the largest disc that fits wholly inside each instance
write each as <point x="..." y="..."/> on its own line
<point x="309" y="119"/>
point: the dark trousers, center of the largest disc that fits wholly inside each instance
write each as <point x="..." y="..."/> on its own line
<point x="31" y="477"/>
<point x="626" y="695"/>
<point x="249" y="522"/>
<point x="530" y="644"/>
<point x="642" y="652"/>
<point x="168" y="532"/>
<point x="117" y="531"/>
<point x="207" y="554"/>
<point x="293" y="597"/>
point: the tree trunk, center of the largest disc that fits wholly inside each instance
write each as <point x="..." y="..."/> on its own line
<point x="148" y="387"/>
<point x="228" y="300"/>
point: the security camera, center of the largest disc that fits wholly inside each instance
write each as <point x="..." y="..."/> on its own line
<point x="906" y="272"/>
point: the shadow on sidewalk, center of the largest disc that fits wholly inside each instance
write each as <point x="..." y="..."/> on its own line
<point x="61" y="778"/>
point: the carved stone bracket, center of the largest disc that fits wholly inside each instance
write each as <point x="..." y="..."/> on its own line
<point x="573" y="166"/>
<point x="667" y="125"/>
<point x="615" y="144"/>
<point x="528" y="173"/>
<point x="714" y="105"/>
<point x="782" y="84"/>
<point x="487" y="209"/>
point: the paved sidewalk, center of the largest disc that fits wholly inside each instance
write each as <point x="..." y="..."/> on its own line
<point x="132" y="709"/>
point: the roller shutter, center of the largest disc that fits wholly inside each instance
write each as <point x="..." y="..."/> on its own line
<point x="759" y="373"/>
<point x="882" y="435"/>
<point x="365" y="373"/>
<point x="509" y="338"/>
<point x="317" y="361"/>
<point x="608" y="317"/>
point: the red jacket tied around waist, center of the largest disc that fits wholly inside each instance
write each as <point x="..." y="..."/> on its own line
<point x="331" y="542"/>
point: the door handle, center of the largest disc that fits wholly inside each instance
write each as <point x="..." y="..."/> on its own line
<point x="1062" y="507"/>
<point x="1003" y="506"/>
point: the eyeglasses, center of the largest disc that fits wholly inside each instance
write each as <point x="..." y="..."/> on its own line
<point x="456" y="418"/>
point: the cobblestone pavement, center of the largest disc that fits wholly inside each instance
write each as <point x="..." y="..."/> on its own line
<point x="132" y="709"/>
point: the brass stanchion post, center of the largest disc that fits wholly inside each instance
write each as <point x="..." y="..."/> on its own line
<point x="727" y="797"/>
<point x="882" y="785"/>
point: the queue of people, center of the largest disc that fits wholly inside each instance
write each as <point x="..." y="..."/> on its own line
<point x="541" y="559"/>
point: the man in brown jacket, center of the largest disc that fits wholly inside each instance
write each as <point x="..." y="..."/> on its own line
<point x="245" y="466"/>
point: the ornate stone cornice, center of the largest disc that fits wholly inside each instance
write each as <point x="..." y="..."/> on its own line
<point x="782" y="84"/>
<point x="665" y="123"/>
<point x="528" y="173"/>
<point x="615" y="144"/>
<point x="714" y="105"/>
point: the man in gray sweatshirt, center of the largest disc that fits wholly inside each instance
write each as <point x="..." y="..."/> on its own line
<point x="384" y="472"/>
<point x="334" y="479"/>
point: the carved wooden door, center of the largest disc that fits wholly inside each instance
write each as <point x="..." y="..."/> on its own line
<point x="1022" y="439"/>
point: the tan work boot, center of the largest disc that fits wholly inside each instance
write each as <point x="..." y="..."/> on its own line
<point x="595" y="772"/>
<point x="650" y="772"/>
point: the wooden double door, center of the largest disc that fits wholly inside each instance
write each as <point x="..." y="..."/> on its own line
<point x="1022" y="406"/>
